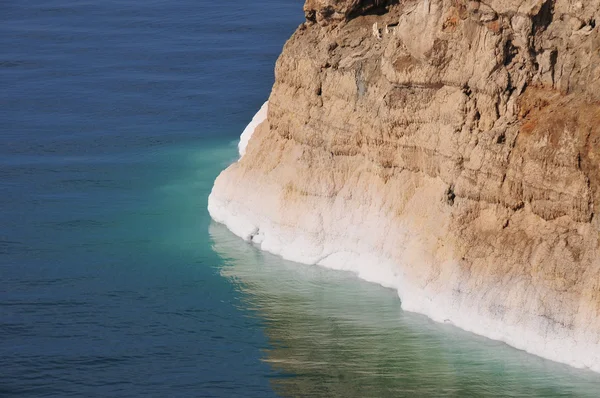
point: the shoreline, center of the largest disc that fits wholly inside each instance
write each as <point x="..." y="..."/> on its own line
<point x="349" y="253"/>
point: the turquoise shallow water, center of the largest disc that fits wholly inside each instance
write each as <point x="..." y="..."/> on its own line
<point x="116" y="117"/>
<point x="340" y="336"/>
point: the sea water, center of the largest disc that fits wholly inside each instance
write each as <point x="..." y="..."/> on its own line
<point x="115" y="119"/>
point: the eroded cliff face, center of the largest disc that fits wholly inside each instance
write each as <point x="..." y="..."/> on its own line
<point x="452" y="151"/>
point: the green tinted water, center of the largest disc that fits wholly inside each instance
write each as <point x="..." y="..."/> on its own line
<point x="336" y="335"/>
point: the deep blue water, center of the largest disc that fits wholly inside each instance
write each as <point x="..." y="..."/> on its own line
<point x="108" y="286"/>
<point x="115" y="118"/>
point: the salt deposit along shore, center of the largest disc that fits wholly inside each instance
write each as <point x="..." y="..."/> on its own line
<point x="436" y="163"/>
<point x="260" y="117"/>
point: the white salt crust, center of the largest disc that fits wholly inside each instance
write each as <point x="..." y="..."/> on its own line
<point x="260" y="117"/>
<point x="339" y="244"/>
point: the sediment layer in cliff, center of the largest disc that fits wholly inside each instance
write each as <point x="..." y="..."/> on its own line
<point x="449" y="149"/>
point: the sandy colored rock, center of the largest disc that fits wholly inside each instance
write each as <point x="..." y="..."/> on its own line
<point x="455" y="157"/>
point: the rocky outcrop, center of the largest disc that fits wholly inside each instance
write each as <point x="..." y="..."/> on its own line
<point x="446" y="148"/>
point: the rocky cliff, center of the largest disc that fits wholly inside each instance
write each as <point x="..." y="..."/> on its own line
<point x="449" y="149"/>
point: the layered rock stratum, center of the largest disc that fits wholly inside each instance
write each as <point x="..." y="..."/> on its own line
<point x="449" y="149"/>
